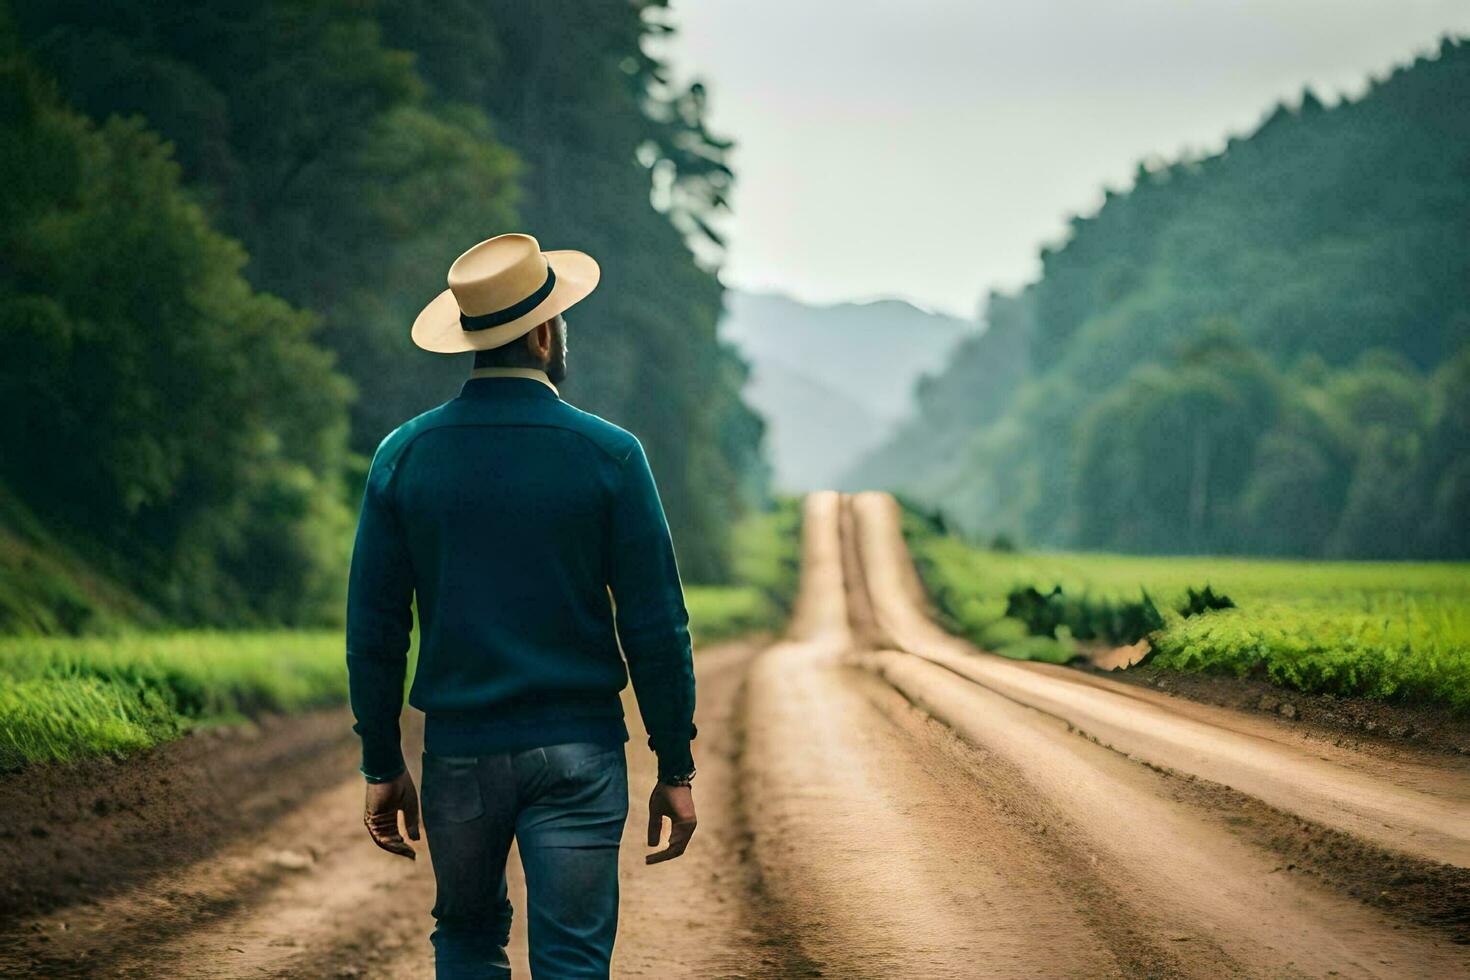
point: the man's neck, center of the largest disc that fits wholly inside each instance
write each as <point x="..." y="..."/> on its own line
<point x="535" y="374"/>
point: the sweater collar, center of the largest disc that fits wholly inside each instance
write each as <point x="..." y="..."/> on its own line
<point x="488" y="379"/>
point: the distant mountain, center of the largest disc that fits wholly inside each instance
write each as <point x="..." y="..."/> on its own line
<point x="833" y="381"/>
<point x="815" y="431"/>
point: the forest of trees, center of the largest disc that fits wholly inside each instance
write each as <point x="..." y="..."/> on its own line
<point x="1264" y="351"/>
<point x="218" y="223"/>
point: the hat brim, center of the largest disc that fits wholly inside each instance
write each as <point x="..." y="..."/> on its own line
<point x="437" y="328"/>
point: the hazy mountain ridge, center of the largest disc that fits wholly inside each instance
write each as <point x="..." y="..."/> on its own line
<point x="833" y="381"/>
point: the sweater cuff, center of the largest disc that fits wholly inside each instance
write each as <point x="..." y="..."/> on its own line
<point x="382" y="760"/>
<point x="674" y="760"/>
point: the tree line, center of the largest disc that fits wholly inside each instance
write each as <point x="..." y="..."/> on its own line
<point x="1265" y="350"/>
<point x="220" y="219"/>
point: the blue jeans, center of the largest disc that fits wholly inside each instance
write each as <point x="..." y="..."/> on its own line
<point x="565" y="806"/>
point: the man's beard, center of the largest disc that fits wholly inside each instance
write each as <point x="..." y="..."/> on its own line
<point x="556" y="364"/>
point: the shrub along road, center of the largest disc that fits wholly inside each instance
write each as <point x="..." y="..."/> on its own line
<point x="876" y="800"/>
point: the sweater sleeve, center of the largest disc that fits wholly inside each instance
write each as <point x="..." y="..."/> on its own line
<point x="379" y="622"/>
<point x="652" y="622"/>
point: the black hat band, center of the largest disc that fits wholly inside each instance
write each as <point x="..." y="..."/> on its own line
<point x="487" y="320"/>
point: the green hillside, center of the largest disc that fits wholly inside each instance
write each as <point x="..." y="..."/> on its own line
<point x="46" y="587"/>
<point x="1266" y="350"/>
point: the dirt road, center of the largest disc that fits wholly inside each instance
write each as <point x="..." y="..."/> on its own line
<point x="877" y="799"/>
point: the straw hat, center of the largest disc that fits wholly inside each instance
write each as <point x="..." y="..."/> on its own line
<point x="501" y="289"/>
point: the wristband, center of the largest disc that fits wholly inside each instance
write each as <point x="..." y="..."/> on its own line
<point x="683" y="779"/>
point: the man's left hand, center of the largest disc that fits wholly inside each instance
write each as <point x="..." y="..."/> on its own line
<point x="676" y="803"/>
<point x="384" y="801"/>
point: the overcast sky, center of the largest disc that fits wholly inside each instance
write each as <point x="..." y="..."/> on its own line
<point x="925" y="149"/>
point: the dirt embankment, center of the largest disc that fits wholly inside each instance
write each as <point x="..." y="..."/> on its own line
<point x="81" y="832"/>
<point x="1357" y="723"/>
<point x="110" y="862"/>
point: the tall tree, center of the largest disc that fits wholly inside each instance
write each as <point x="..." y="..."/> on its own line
<point x="313" y="142"/>
<point x="186" y="430"/>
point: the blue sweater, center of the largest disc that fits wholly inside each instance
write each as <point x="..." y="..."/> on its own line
<point x="532" y="536"/>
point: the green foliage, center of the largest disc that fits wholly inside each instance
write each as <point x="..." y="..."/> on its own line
<point x="1162" y="456"/>
<point x="1379" y="649"/>
<point x="720" y="612"/>
<point x="1203" y="601"/>
<point x="61" y="720"/>
<point x="767" y="562"/>
<point x="314" y="142"/>
<point x="151" y="403"/>
<point x="46" y="587"/>
<point x="1086" y="618"/>
<point x="932" y="518"/>
<point x="1261" y="352"/>
<point x="64" y="697"/>
<point x="1380" y="630"/>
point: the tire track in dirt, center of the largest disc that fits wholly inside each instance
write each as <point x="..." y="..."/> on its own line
<point x="1171" y="863"/>
<point x="911" y="821"/>
<point x="1184" y="851"/>
<point x="866" y="837"/>
<point x="1421" y="809"/>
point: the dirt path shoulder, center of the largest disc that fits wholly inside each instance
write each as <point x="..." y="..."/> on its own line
<point x="188" y="862"/>
<point x="81" y="832"/>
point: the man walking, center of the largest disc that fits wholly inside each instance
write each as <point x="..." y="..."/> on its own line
<point x="532" y="537"/>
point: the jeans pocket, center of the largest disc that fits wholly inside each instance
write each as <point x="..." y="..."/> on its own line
<point x="583" y="799"/>
<point x="451" y="791"/>
<point x="578" y="761"/>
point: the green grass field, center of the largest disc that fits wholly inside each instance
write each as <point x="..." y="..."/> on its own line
<point x="67" y="697"/>
<point x="1386" y="630"/>
<point x="767" y="566"/>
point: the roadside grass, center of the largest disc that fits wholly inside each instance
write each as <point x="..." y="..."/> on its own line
<point x="67" y="697"/>
<point x="62" y="698"/>
<point x="719" y="612"/>
<point x="766" y="565"/>
<point x="1384" y="630"/>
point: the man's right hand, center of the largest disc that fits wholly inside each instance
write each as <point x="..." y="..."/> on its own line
<point x="384" y="801"/>
<point x="676" y="803"/>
